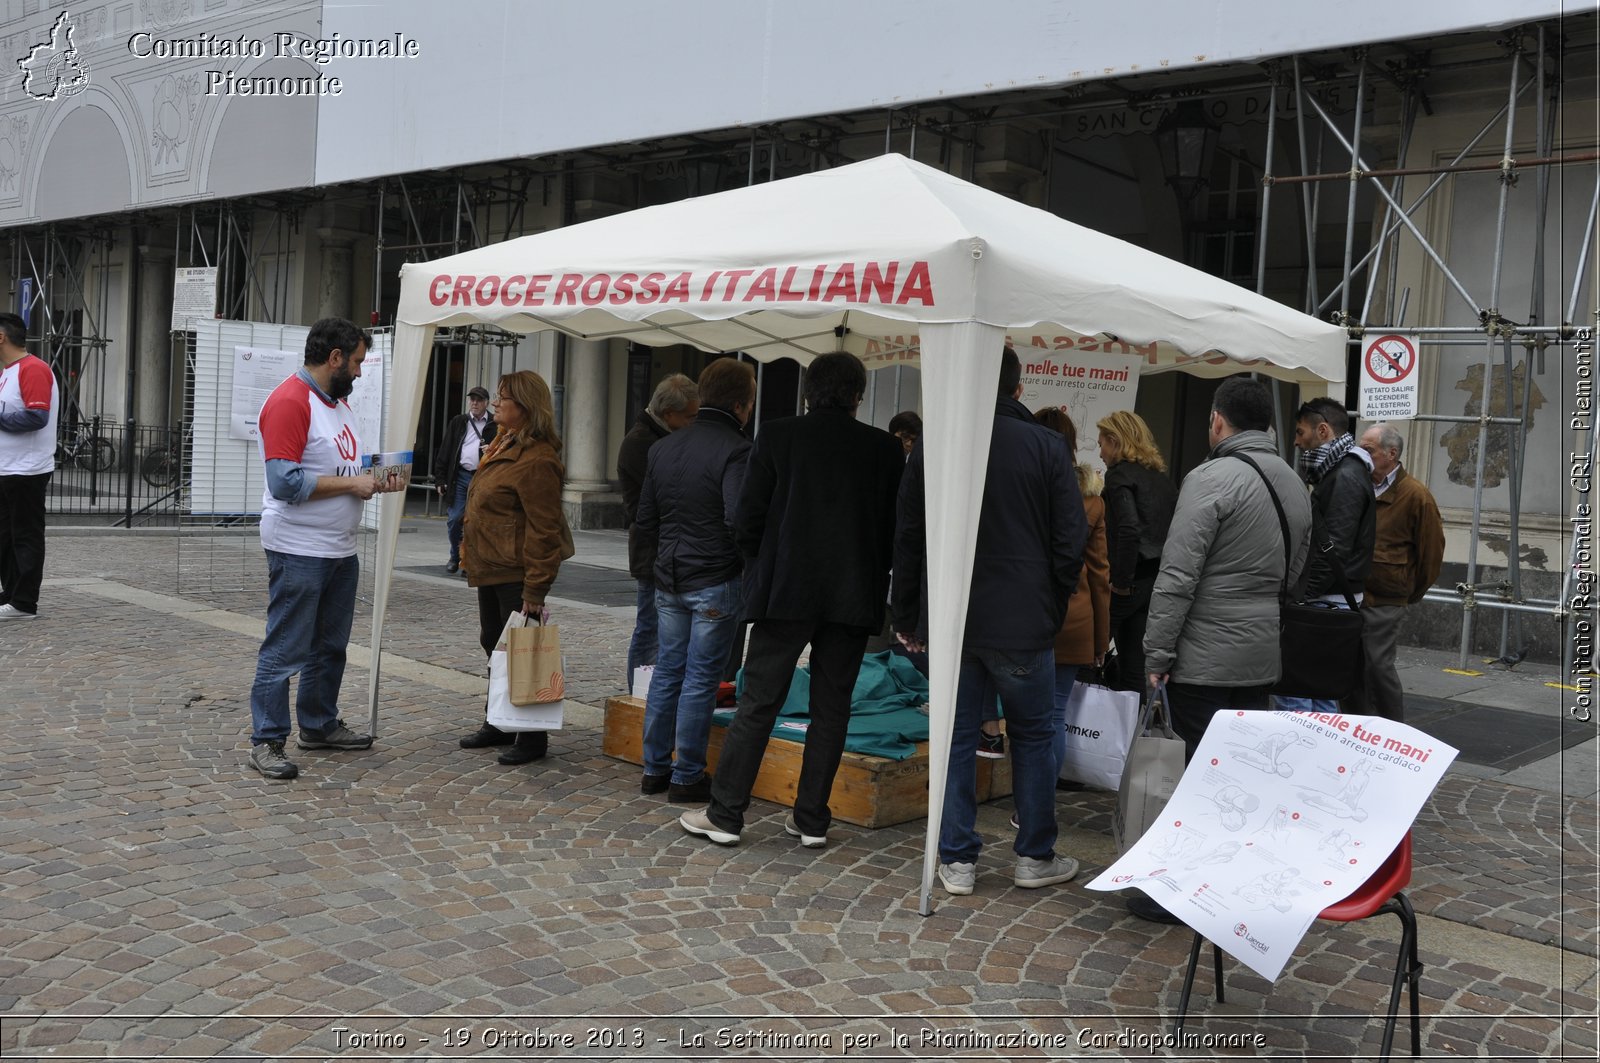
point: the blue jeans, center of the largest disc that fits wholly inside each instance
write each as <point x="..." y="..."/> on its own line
<point x="455" y="511"/>
<point x="1066" y="675"/>
<point x="642" y="647"/>
<point x="1025" y="684"/>
<point x="695" y="632"/>
<point x="311" y="603"/>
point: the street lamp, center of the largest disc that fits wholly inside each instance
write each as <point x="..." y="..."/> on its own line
<point x="1186" y="137"/>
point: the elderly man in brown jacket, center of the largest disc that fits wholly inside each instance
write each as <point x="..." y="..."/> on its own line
<point x="1405" y="561"/>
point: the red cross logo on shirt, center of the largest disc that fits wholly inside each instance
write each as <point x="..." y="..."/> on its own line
<point x="345" y="441"/>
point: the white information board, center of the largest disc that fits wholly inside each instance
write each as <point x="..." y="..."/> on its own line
<point x="194" y="295"/>
<point x="256" y="372"/>
<point x="1278" y="816"/>
<point x="1389" y="377"/>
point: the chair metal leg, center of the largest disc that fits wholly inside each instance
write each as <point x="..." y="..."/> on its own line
<point x="1406" y="971"/>
<point x="1188" y="986"/>
<point x="1216" y="971"/>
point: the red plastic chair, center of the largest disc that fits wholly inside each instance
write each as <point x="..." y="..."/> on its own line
<point x="1380" y="894"/>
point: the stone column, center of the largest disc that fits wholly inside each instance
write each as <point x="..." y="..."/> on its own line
<point x="336" y="277"/>
<point x="153" y="346"/>
<point x="589" y="498"/>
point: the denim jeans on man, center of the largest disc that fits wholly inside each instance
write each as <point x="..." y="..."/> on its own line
<point x="1025" y="683"/>
<point x="695" y="629"/>
<point x="1311" y="704"/>
<point x="455" y="511"/>
<point x="311" y="604"/>
<point x="1066" y="676"/>
<point x="642" y="647"/>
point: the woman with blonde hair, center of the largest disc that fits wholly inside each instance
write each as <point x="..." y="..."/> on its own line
<point x="1086" y="634"/>
<point x="1139" y="500"/>
<point x="514" y="536"/>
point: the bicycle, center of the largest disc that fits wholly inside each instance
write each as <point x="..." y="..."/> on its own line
<point x="162" y="465"/>
<point x="84" y="447"/>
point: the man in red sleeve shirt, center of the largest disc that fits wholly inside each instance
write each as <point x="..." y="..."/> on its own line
<point x="29" y="401"/>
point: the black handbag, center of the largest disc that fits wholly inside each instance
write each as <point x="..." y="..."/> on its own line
<point x="1320" y="646"/>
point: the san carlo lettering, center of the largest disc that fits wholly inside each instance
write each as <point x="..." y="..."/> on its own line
<point x="897" y="283"/>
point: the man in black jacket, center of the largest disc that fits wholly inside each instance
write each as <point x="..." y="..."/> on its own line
<point x="816" y="527"/>
<point x="1031" y="530"/>
<point x="673" y="405"/>
<point x="456" y="460"/>
<point x="686" y="511"/>
<point x="1344" y="514"/>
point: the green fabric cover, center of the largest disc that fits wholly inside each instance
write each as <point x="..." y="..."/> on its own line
<point x="886" y="717"/>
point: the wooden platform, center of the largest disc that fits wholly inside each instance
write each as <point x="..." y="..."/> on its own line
<point x="868" y="791"/>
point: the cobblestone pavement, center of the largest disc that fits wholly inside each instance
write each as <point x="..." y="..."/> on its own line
<point x="160" y="900"/>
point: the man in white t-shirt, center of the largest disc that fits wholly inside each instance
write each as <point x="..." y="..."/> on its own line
<point x="309" y="515"/>
<point x="29" y="402"/>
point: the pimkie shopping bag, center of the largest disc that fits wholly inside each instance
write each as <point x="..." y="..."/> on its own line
<point x="1100" y="725"/>
<point x="1155" y="764"/>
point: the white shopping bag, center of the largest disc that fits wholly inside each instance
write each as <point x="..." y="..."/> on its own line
<point x="1100" y="724"/>
<point x="503" y="714"/>
<point x="641" y="681"/>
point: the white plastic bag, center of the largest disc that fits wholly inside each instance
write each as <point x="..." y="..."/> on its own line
<point x="503" y="714"/>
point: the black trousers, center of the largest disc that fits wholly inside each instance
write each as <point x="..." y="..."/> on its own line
<point x="22" y="540"/>
<point x="1129" y="614"/>
<point x="495" y="606"/>
<point x="775" y="647"/>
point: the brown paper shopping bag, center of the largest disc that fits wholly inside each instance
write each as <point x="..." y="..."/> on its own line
<point x="534" y="660"/>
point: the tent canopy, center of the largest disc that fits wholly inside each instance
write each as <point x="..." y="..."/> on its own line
<point x="874" y="257"/>
<point x="846" y="259"/>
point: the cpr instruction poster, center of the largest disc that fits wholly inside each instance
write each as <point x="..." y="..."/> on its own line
<point x="1280" y="815"/>
<point x="1087" y="385"/>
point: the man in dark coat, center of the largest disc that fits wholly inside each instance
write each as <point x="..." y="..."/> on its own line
<point x="686" y="512"/>
<point x="673" y="405"/>
<point x="456" y="460"/>
<point x="816" y="526"/>
<point x="1031" y="531"/>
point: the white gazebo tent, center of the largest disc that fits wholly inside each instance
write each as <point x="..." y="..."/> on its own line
<point x="838" y="260"/>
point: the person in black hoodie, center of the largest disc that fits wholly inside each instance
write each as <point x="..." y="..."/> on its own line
<point x="686" y="510"/>
<point x="1140" y="498"/>
<point x="1031" y="531"/>
<point x="673" y="405"/>
<point x="816" y="526"/>
<point x="1344" y="516"/>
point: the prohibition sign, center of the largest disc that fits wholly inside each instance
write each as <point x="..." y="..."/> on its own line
<point x="1390" y="359"/>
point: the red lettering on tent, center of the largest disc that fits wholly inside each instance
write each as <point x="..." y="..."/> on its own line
<point x="594" y="289"/>
<point x="785" y="293"/>
<point x="1036" y="341"/>
<point x="815" y="291"/>
<point x="919" y="285"/>
<point x="650" y="287"/>
<point x="734" y="277"/>
<point x="567" y="289"/>
<point x="711" y="283"/>
<point x="487" y="291"/>
<point x="536" y="287"/>
<point x="879" y="283"/>
<point x="678" y="288"/>
<point x="765" y="288"/>
<point x="1089" y="343"/>
<point x="509" y="297"/>
<point x="622" y="290"/>
<point x="435" y="296"/>
<point x="873" y="347"/>
<point x="461" y="294"/>
<point x="844" y="284"/>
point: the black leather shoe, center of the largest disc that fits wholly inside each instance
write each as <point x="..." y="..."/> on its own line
<point x="487" y="735"/>
<point x="654" y="784"/>
<point x="452" y="568"/>
<point x="529" y="746"/>
<point x="693" y="793"/>
<point x="1149" y="910"/>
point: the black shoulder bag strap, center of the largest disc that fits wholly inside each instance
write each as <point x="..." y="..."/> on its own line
<point x="1283" y="526"/>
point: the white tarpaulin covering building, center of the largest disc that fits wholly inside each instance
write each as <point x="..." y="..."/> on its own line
<point x="838" y="260"/>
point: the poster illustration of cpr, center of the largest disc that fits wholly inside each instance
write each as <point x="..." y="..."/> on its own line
<point x="1087" y="385"/>
<point x="1280" y="815"/>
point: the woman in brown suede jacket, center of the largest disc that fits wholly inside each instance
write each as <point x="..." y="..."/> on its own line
<point x="1086" y="633"/>
<point x="514" y="535"/>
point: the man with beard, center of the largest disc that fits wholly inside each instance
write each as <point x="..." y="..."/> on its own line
<point x="309" y="515"/>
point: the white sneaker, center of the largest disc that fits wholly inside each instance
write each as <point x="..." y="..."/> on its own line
<point x="810" y="841"/>
<point x="958" y="878"/>
<point x="699" y="822"/>
<point x="1031" y="873"/>
<point x="11" y="612"/>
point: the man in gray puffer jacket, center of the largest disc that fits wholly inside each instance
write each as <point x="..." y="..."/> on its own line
<point x="1213" y="630"/>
